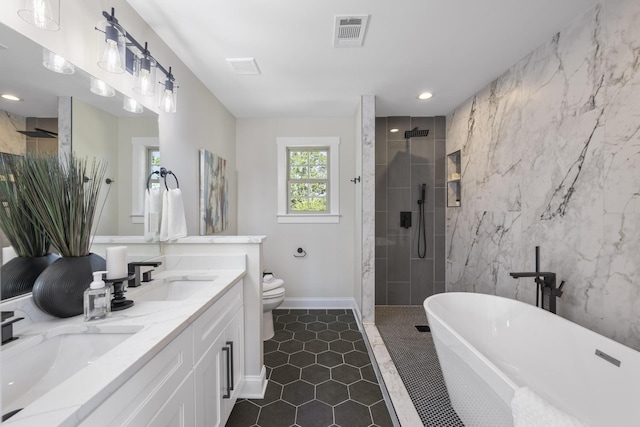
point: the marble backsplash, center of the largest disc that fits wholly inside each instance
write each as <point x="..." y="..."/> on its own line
<point x="551" y="157"/>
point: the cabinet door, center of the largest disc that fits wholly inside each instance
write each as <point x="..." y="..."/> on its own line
<point x="178" y="411"/>
<point x="210" y="377"/>
<point x="234" y="338"/>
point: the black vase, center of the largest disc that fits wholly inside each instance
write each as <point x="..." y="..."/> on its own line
<point x="59" y="289"/>
<point x="19" y="274"/>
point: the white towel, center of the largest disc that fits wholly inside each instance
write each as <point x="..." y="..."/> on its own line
<point x="152" y="209"/>
<point x="531" y="410"/>
<point x="173" y="224"/>
<point x="267" y="278"/>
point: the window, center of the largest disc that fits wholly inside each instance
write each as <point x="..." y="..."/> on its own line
<point x="308" y="190"/>
<point x="145" y="158"/>
<point x="308" y="180"/>
<point x="153" y="165"/>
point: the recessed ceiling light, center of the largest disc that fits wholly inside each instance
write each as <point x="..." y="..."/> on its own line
<point x="394" y="130"/>
<point x="10" y="97"/>
<point x="425" y="95"/>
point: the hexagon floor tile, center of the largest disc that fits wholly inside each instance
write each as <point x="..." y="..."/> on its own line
<point x="319" y="376"/>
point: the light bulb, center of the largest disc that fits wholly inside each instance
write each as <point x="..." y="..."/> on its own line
<point x="168" y="105"/>
<point x="101" y="88"/>
<point x="168" y="97"/>
<point x="145" y="72"/>
<point x="111" y="47"/>
<point x="56" y="63"/>
<point x="41" y="10"/>
<point x="132" y="105"/>
<point x="39" y="13"/>
<point x="111" y="57"/>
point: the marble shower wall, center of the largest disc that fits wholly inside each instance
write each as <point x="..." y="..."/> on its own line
<point x="550" y="157"/>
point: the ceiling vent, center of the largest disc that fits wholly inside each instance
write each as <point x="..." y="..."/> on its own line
<point x="246" y="66"/>
<point x="349" y="30"/>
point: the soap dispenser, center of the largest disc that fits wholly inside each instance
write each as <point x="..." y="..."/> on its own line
<point x="97" y="298"/>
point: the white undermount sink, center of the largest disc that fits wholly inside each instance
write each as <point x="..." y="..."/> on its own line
<point x="34" y="365"/>
<point x="171" y="290"/>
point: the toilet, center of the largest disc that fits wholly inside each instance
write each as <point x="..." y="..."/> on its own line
<point x="272" y="297"/>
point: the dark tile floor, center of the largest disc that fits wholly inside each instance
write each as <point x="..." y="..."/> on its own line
<point x="319" y="373"/>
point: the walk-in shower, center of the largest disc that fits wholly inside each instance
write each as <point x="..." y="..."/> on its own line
<point x="410" y="167"/>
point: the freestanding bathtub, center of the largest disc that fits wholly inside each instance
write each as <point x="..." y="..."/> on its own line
<point x="489" y="346"/>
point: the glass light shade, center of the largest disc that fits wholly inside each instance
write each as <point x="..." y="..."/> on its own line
<point x="56" y="63"/>
<point x="43" y="14"/>
<point x="145" y="74"/>
<point x="112" y="44"/>
<point x="168" y="97"/>
<point x="131" y="105"/>
<point x="101" y="88"/>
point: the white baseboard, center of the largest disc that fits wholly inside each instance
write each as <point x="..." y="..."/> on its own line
<point x="254" y="386"/>
<point x="317" y="303"/>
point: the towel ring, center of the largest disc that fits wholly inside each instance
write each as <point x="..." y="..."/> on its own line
<point x="163" y="173"/>
<point x="149" y="178"/>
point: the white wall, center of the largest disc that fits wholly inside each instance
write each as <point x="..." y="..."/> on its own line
<point x="327" y="270"/>
<point x="94" y="135"/>
<point x="201" y="121"/>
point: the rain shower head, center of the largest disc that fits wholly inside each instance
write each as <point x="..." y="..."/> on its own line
<point x="415" y="132"/>
<point x="38" y="133"/>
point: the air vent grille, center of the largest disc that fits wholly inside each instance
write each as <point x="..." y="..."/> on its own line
<point x="246" y="66"/>
<point x="349" y="31"/>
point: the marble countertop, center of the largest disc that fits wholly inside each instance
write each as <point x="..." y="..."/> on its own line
<point x="157" y="323"/>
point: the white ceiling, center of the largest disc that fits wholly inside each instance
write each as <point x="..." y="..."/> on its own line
<point x="449" y="47"/>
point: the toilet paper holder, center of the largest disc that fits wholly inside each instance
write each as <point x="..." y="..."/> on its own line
<point x="300" y="253"/>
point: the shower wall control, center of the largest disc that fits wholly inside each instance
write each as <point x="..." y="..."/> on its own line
<point x="405" y="219"/>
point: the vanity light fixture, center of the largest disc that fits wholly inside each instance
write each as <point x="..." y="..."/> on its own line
<point x="57" y="63"/>
<point x="115" y="54"/>
<point x="43" y="14"/>
<point x="101" y="88"/>
<point x="10" y="97"/>
<point x="145" y="73"/>
<point x="425" y="95"/>
<point x="131" y="105"/>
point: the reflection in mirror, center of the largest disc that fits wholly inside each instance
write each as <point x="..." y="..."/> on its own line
<point x="58" y="113"/>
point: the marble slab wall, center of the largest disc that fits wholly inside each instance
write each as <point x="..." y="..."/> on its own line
<point x="550" y="157"/>
<point x="11" y="141"/>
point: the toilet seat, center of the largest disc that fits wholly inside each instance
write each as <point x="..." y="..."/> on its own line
<point x="273" y="293"/>
<point x="275" y="283"/>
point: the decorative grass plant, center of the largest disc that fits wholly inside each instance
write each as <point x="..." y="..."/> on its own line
<point x="16" y="219"/>
<point x="62" y="195"/>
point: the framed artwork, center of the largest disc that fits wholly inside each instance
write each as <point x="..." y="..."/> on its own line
<point x="214" y="192"/>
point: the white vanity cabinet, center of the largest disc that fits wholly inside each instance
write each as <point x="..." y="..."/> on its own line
<point x="193" y="381"/>
<point x="154" y="389"/>
<point x="219" y="356"/>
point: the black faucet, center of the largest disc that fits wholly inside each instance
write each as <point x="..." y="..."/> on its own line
<point x="7" y="327"/>
<point x="546" y="284"/>
<point x="134" y="268"/>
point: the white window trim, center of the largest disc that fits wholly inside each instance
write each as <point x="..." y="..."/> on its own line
<point x="139" y="146"/>
<point x="333" y="216"/>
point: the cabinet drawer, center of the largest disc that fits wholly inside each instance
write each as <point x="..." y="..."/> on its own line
<point x="209" y="326"/>
<point x="145" y="393"/>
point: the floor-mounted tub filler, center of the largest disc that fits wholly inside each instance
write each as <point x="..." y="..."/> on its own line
<point x="504" y="360"/>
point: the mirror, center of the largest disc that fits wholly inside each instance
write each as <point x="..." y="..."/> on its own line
<point x="69" y="116"/>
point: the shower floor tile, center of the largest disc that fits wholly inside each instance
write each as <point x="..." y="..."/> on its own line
<point x="319" y="375"/>
<point x="414" y="356"/>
